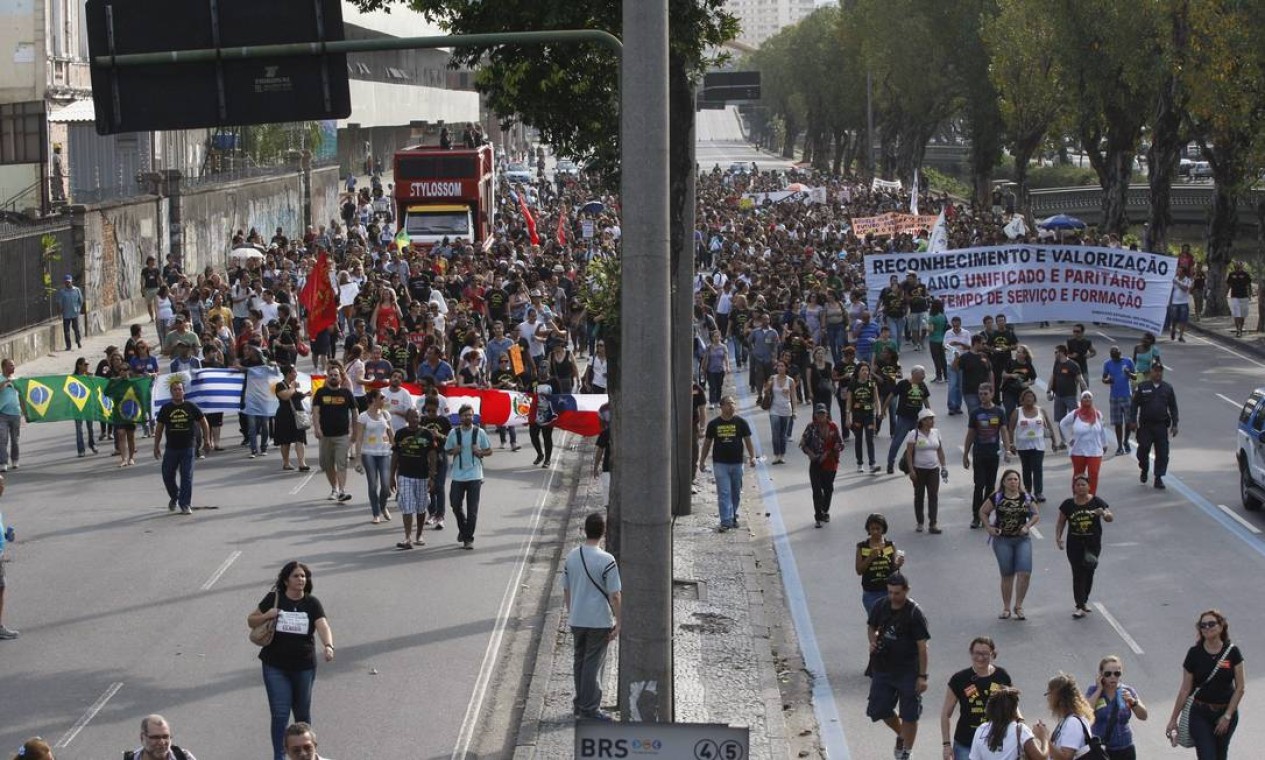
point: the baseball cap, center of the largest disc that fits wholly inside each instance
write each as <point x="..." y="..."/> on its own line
<point x="823" y="409"/>
<point x="68" y="278"/>
<point x="924" y="414"/>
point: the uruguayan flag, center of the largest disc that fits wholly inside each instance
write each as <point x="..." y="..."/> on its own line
<point x="213" y="390"/>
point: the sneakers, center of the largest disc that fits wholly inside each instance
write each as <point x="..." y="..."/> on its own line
<point x="875" y="469"/>
<point x="1119" y="450"/>
<point x="8" y="634"/>
<point x="891" y="469"/>
<point x="861" y="468"/>
<point x="467" y="545"/>
<point x="344" y="496"/>
<point x="976" y="524"/>
<point x="186" y="511"/>
<point x="171" y="506"/>
<point x="333" y="495"/>
<point x="439" y="525"/>
<point x="1142" y="477"/>
<point x="1159" y="483"/>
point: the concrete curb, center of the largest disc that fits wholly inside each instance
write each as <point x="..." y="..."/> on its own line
<point x="1253" y="347"/>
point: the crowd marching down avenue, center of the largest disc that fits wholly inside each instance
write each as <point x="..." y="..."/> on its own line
<point x="944" y="410"/>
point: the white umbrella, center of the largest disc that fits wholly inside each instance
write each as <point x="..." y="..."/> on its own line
<point x="246" y="252"/>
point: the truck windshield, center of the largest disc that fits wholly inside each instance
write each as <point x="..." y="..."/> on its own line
<point x="451" y="223"/>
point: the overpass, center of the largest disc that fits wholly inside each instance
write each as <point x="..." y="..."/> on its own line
<point x="1189" y="202"/>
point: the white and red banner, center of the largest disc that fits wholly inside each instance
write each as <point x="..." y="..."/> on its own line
<point x="1038" y="283"/>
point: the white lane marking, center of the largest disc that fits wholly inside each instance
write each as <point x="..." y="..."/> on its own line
<point x="1230" y="401"/>
<point x="1128" y="640"/>
<point x="223" y="568"/>
<point x="295" y="491"/>
<point x="1240" y="519"/>
<point x="492" y="653"/>
<point x="1227" y="349"/>
<point x="1035" y="533"/>
<point x="70" y="735"/>
<point x="1104" y="335"/>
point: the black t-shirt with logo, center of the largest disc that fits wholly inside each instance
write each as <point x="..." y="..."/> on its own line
<point x="862" y="397"/>
<point x="179" y="422"/>
<point x="438" y="426"/>
<point x="875" y="576"/>
<point x="893" y="301"/>
<point x="738" y="321"/>
<point x="498" y="303"/>
<point x="1066" y="374"/>
<point x="1081" y="520"/>
<point x="335" y="407"/>
<point x="1199" y="664"/>
<point x="293" y="645"/>
<point x="1240" y="283"/>
<point x="899" y="632"/>
<point x="972" y="692"/>
<point x="727" y="437"/>
<point x="1011" y="514"/>
<point x="918" y="302"/>
<point x="151" y="277"/>
<point x="412" y="452"/>
<point x="987" y="424"/>
<point x="976" y="369"/>
<point x="913" y="398"/>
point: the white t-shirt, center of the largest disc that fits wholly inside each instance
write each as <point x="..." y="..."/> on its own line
<point x="398" y="402"/>
<point x="926" y="448"/>
<point x="1071" y="733"/>
<point x="1011" y="747"/>
<point x="1181" y="296"/>
<point x="378" y="436"/>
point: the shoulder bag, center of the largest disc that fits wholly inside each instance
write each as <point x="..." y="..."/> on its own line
<point x="261" y="635"/>
<point x="593" y="580"/>
<point x="1184" y="738"/>
<point x="903" y="464"/>
<point x="302" y="417"/>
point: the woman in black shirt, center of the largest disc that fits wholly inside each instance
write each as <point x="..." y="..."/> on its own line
<point x="1213" y="671"/>
<point x="289" y="661"/>
<point x="1083" y="516"/>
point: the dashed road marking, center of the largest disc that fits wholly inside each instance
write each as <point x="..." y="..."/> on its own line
<point x="1240" y="519"/>
<point x="295" y="491"/>
<point x="219" y="571"/>
<point x="1128" y="640"/>
<point x="84" y="719"/>
<point x="1230" y="401"/>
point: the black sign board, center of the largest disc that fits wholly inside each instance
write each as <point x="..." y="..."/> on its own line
<point x="224" y="92"/>
<point x="730" y="86"/>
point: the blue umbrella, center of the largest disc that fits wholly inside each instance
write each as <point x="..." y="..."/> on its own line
<point x="1061" y="222"/>
<point x="593" y="207"/>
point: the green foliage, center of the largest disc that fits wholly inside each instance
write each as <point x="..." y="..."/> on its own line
<point x="943" y="183"/>
<point x="1041" y="177"/>
<point x="600" y="297"/>
<point x="570" y="92"/>
<point x="50" y="253"/>
<point x="271" y="144"/>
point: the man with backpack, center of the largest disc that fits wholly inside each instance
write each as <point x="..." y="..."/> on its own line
<point x="899" y="663"/>
<point x="156" y="742"/>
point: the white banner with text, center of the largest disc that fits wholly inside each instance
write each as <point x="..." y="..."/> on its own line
<point x="1037" y="283"/>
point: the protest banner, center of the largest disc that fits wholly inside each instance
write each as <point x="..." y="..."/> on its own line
<point x="891" y="223"/>
<point x="806" y="196"/>
<point x="1038" y="283"/>
<point x="885" y="184"/>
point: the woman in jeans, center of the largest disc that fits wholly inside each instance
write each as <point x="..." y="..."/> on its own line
<point x="1029" y="426"/>
<point x="373" y="431"/>
<point x="289" y="661"/>
<point x="924" y="458"/>
<point x="1115" y="703"/>
<point x="861" y="401"/>
<point x="81" y="370"/>
<point x="714" y="365"/>
<point x="781" y="388"/>
<point x="1009" y="515"/>
<point x="1213" y="671"/>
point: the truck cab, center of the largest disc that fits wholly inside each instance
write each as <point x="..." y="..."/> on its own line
<point x="445" y="193"/>
<point x="1251" y="451"/>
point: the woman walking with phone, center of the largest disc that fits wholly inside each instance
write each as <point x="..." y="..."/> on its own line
<point x="1115" y="703"/>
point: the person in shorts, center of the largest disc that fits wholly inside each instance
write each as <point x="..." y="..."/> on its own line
<point x="333" y="410"/>
<point x="413" y="458"/>
<point x="899" y="663"/>
<point x="1239" y="284"/>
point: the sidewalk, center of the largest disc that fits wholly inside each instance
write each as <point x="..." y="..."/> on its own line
<point x="1221" y="329"/>
<point x="735" y="652"/>
<point x="61" y="362"/>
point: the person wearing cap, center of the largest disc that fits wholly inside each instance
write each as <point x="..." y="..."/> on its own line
<point x="70" y="300"/>
<point x="822" y="444"/>
<point x="923" y="453"/>
<point x="180" y="334"/>
<point x="1153" y="414"/>
<point x="1086" y="436"/>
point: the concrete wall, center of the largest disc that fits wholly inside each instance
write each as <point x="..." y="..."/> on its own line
<point x="117" y="238"/>
<point x="212" y="213"/>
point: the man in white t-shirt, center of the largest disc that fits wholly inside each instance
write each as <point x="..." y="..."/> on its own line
<point x="592" y="593"/>
<point x="398" y="399"/>
<point x="957" y="340"/>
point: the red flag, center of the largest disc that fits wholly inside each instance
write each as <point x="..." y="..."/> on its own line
<point x="527" y="217"/>
<point x="561" y="234"/>
<point x="318" y="297"/>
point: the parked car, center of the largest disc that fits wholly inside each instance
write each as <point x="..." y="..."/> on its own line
<point x="1201" y="170"/>
<point x="742" y="167"/>
<point x="1251" y="451"/>
<point x="566" y="167"/>
<point x="518" y="172"/>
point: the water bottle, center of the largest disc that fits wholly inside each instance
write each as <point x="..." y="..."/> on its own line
<point x="9" y="534"/>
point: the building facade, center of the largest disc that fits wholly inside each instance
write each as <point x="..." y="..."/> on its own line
<point x="761" y="19"/>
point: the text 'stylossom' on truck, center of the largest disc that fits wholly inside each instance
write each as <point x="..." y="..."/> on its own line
<point x="443" y="193"/>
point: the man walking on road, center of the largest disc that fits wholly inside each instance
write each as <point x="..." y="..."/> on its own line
<point x="156" y="742"/>
<point x="180" y="420"/>
<point x="70" y="299"/>
<point x="11" y="414"/>
<point x="729" y="433"/>
<point x="591" y="591"/>
<point x="413" y="462"/>
<point x="957" y="341"/>
<point x="987" y="436"/>
<point x="1239" y="285"/>
<point x="899" y="663"/>
<point x="910" y="397"/>
<point x="822" y="444"/>
<point x="1118" y="373"/>
<point x="333" y="411"/>
<point x="468" y="446"/>
<point x="1154" y="415"/>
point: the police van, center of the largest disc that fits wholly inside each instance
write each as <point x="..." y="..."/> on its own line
<point x="1251" y="453"/>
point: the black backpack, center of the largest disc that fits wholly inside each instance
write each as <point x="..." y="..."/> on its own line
<point x="179" y="753"/>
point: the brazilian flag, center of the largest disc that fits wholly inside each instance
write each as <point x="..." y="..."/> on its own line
<point x="129" y="399"/>
<point x="55" y="398"/>
<point x="403" y="241"/>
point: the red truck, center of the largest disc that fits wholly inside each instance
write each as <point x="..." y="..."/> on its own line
<point x="442" y="193"/>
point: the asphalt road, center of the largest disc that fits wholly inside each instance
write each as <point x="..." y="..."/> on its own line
<point x="126" y="609"/>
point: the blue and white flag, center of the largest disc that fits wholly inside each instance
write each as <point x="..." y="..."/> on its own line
<point x="260" y="397"/>
<point x="213" y="390"/>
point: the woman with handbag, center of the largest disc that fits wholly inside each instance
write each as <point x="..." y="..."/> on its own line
<point x="780" y="390"/>
<point x="1083" y="516"/>
<point x="289" y="652"/>
<point x="1009" y="515"/>
<point x="1071" y="737"/>
<point x="291" y="422"/>
<point x="1114" y="704"/>
<point x="1206" y="710"/>
<point x="1004" y="735"/>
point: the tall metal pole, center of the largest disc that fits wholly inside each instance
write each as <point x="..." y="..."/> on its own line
<point x="643" y="432"/>
<point x="684" y="364"/>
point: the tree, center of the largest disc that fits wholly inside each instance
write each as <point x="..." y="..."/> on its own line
<point x="1111" y="83"/>
<point x="1226" y="66"/>
<point x="1169" y="124"/>
<point x="1029" y="82"/>
<point x="979" y="99"/>
<point x="775" y="60"/>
